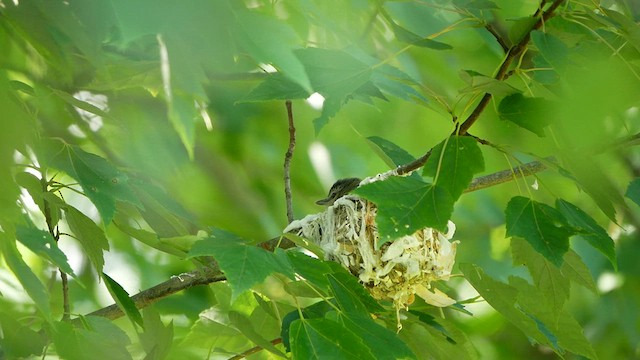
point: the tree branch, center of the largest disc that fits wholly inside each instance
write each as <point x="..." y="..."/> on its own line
<point x="507" y="175"/>
<point x="287" y="162"/>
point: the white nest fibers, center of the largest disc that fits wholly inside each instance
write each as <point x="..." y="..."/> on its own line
<point x="347" y="233"/>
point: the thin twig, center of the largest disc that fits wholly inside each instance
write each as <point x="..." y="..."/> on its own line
<point x="254" y="350"/>
<point x="499" y="38"/>
<point x="287" y="161"/>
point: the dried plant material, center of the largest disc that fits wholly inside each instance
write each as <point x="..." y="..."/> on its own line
<point x="347" y="233"/>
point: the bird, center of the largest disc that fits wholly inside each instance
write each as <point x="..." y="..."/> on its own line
<point x="339" y="189"/>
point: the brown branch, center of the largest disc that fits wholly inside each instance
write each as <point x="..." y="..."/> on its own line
<point x="203" y="276"/>
<point x="506" y="175"/>
<point x="287" y="162"/>
<point x="254" y="350"/>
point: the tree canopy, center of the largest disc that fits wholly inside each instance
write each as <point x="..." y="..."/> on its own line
<point x="154" y="152"/>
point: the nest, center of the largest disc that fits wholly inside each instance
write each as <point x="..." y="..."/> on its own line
<point x="399" y="270"/>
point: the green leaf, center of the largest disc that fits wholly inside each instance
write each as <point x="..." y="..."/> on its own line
<point x="541" y="225"/>
<point x="633" y="191"/>
<point x="575" y="269"/>
<point x="546" y="276"/>
<point x="335" y="75"/>
<point x="520" y="28"/>
<point x="33" y="185"/>
<point x="122" y="299"/>
<point x="561" y="333"/>
<point x="276" y="87"/>
<point x="476" y="4"/>
<point x="595" y="182"/>
<point x="71" y="100"/>
<point x="256" y="34"/>
<point x="98" y="337"/>
<point x="533" y="114"/>
<point x="19" y="341"/>
<point x="246" y="327"/>
<point x="382" y="342"/>
<point x="406" y="204"/>
<point x="42" y="243"/>
<point x="554" y="51"/>
<point x="244" y="265"/>
<point x="453" y="162"/>
<point x="528" y="309"/>
<point x="390" y="153"/>
<point x="163" y="213"/>
<point x="315" y="311"/>
<point x="409" y="37"/>
<point x="157" y="338"/>
<point x="102" y="183"/>
<point x="588" y="229"/>
<point x="325" y="339"/>
<point x="26" y="277"/>
<point x="91" y="237"/>
<point x="153" y="240"/>
<point x="311" y="269"/>
<point x="479" y="83"/>
<point x="350" y="295"/>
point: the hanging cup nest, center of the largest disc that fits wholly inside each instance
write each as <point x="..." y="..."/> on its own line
<point x="348" y="234"/>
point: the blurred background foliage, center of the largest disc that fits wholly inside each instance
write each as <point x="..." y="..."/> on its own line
<point x="162" y="90"/>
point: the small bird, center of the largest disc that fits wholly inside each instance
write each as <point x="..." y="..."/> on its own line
<point x="341" y="188"/>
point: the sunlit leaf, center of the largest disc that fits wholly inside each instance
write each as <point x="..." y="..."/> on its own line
<point x="29" y="281"/>
<point x="103" y="183"/>
<point x="390" y="153"/>
<point x="42" y="243"/>
<point x="406" y="204"/>
<point x="576" y="270"/>
<point x="246" y="327"/>
<point x="243" y="264"/>
<point x="453" y="162"/>
<point x="157" y="337"/>
<point x="21" y="341"/>
<point x="255" y="32"/>
<point x="121" y="297"/>
<point x="407" y="36"/>
<point x="546" y="276"/>
<point x="98" y="336"/>
<point x="91" y="236"/>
